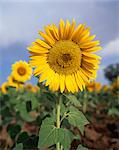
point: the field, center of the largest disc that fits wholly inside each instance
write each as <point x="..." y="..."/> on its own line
<point x="23" y="111"/>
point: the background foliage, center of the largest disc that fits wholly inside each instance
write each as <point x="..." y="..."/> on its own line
<point x="28" y="117"/>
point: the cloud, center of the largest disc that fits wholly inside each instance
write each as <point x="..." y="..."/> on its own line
<point x="110" y="52"/>
<point x="20" y="21"/>
<point x="110" y="55"/>
<point x="112" y="48"/>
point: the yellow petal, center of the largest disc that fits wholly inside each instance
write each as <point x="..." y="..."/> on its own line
<point x="66" y="30"/>
<point x="84" y="35"/>
<point x="47" y="38"/>
<point x="54" y="85"/>
<point x="84" y="77"/>
<point x="80" y="79"/>
<point x="37" y="71"/>
<point x="90" y="60"/>
<point x="69" y="84"/>
<point x="93" y="56"/>
<point x="90" y="65"/>
<point x="39" y="50"/>
<point x="79" y="33"/>
<point x="89" y="44"/>
<point x="54" y="31"/>
<point x="76" y="31"/>
<point x="72" y="27"/>
<point x="91" y="75"/>
<point x="39" y="57"/>
<point x="62" y="83"/>
<point x="89" y="68"/>
<point x="48" y="32"/>
<point x="93" y="49"/>
<point x="74" y="82"/>
<point x="61" y="28"/>
<point x="86" y="39"/>
<point x="43" y="44"/>
<point x="44" y="74"/>
<point x="50" y="77"/>
<point x="78" y="82"/>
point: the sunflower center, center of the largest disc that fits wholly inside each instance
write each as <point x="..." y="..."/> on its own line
<point x="21" y="71"/>
<point x="65" y="57"/>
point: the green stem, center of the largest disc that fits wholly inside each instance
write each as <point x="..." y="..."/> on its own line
<point x="58" y="120"/>
<point x="85" y="103"/>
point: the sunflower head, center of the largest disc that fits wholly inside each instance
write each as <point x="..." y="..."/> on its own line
<point x="115" y="87"/>
<point x="105" y="88"/>
<point x="64" y="58"/>
<point x="94" y="86"/>
<point x="13" y="83"/>
<point x="4" y="87"/>
<point x="29" y="87"/>
<point x="21" y="71"/>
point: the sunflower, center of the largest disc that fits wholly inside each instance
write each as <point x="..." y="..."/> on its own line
<point x="13" y="83"/>
<point x="21" y="71"/>
<point x="115" y="87"/>
<point x="94" y="86"/>
<point x="29" y="87"/>
<point x="105" y="88"/>
<point x="63" y="59"/>
<point x="4" y="87"/>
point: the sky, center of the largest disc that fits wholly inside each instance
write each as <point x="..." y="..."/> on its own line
<point x="21" y="20"/>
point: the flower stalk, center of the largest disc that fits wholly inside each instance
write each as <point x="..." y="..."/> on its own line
<point x="58" y="120"/>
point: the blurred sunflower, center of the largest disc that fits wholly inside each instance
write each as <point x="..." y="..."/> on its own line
<point x="115" y="87"/>
<point x="21" y="71"/>
<point x="36" y="89"/>
<point x="31" y="88"/>
<point x="4" y="87"/>
<point x="64" y="59"/>
<point x="13" y="83"/>
<point x="94" y="86"/>
<point x="28" y="87"/>
<point x="105" y="88"/>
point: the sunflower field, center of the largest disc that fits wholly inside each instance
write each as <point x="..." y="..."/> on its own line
<point x="66" y="109"/>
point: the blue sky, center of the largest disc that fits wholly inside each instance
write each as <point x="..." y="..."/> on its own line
<point x="21" y="20"/>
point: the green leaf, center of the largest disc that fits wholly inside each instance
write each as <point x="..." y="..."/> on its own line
<point x="73" y="100"/>
<point x="113" y="111"/>
<point x="28" y="106"/>
<point x="80" y="147"/>
<point x="24" y="114"/>
<point x="34" y="102"/>
<point x="18" y="147"/>
<point x="77" y="118"/>
<point x="63" y="109"/>
<point x="65" y="138"/>
<point x="50" y="135"/>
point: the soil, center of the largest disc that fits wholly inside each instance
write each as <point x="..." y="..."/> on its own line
<point x="101" y="134"/>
